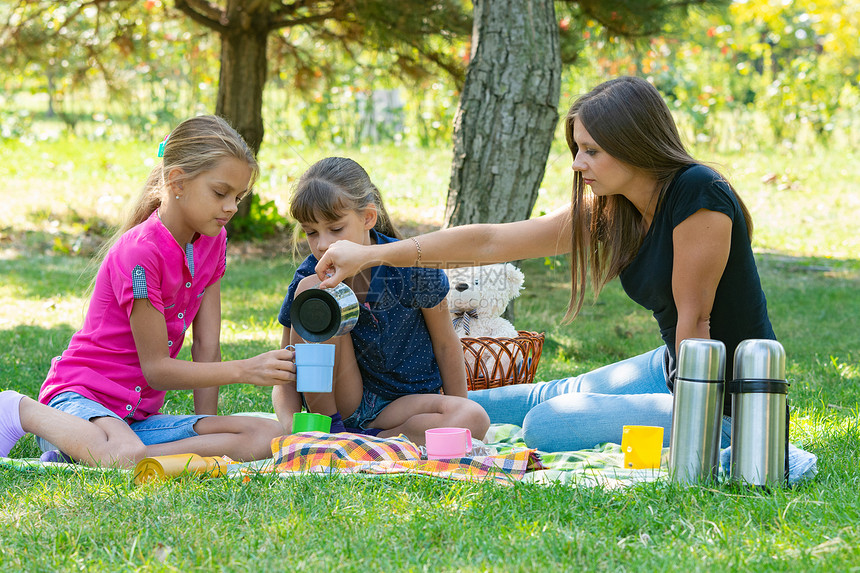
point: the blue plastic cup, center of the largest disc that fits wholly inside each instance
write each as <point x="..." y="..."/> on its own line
<point x="314" y="367"/>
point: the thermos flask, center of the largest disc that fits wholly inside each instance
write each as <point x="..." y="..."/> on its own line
<point x="759" y="413"/>
<point x="319" y="314"/>
<point x="697" y="411"/>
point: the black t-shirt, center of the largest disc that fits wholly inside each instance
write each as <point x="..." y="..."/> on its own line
<point x="740" y="309"/>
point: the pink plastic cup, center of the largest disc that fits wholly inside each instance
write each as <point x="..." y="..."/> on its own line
<point x="447" y="443"/>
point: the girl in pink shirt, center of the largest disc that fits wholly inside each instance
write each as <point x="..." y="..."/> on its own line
<point x="100" y="402"/>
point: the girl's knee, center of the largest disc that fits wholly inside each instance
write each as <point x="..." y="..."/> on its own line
<point x="480" y="426"/>
<point x="479" y="415"/>
<point x="272" y="429"/>
<point x="472" y="415"/>
<point x="262" y="427"/>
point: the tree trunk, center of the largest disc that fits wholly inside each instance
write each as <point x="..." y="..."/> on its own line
<point x="508" y="112"/>
<point x="242" y="78"/>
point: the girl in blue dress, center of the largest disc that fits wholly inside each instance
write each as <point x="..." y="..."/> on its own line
<point x="391" y="369"/>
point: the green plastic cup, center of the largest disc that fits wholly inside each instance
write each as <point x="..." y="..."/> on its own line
<point x="310" y="422"/>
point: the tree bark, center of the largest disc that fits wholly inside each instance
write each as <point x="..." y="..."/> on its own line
<point x="242" y="78"/>
<point x="508" y="112"/>
<point x="243" y="72"/>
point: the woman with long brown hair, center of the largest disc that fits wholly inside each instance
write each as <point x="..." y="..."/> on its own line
<point x="673" y="230"/>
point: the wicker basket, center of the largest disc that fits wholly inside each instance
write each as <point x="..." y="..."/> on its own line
<point x="495" y="362"/>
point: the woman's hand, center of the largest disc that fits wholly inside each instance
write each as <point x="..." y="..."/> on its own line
<point x="342" y="260"/>
<point x="273" y="368"/>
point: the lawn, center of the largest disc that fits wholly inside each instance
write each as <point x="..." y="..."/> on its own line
<point x="807" y="243"/>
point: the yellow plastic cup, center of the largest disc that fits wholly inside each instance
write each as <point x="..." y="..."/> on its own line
<point x="165" y="467"/>
<point x="642" y="446"/>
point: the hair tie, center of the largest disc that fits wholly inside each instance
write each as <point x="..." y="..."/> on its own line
<point x="161" y="146"/>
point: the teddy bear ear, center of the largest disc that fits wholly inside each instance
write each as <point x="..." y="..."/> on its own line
<point x="514" y="278"/>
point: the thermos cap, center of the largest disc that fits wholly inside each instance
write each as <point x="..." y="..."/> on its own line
<point x="319" y="314"/>
<point x="315" y="315"/>
<point x="702" y="359"/>
<point x="759" y="359"/>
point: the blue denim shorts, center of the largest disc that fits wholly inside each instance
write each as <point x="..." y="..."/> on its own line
<point x="370" y="407"/>
<point x="157" y="429"/>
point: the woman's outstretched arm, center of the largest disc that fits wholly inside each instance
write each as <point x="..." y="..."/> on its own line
<point x="465" y="246"/>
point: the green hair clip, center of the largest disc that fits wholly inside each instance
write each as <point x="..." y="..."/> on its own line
<point x="161" y="146"/>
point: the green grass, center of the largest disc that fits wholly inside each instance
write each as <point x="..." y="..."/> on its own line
<point x="807" y="245"/>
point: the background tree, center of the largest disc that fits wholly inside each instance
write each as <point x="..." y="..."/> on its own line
<point x="416" y="33"/>
<point x="63" y="42"/>
<point x="507" y="114"/>
<point x="121" y="68"/>
<point x="407" y="28"/>
<point x="509" y="105"/>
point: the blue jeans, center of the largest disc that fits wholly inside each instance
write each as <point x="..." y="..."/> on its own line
<point x="368" y="410"/>
<point x="580" y="412"/>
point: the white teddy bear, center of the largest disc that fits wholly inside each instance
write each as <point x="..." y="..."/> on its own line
<point x="479" y="295"/>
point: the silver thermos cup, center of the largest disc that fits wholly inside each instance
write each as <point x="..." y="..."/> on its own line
<point x="319" y="314"/>
<point x="697" y="410"/>
<point x="759" y="413"/>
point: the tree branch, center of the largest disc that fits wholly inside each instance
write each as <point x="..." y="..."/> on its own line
<point x="283" y="20"/>
<point x="285" y="11"/>
<point x="203" y="12"/>
<point x="606" y="15"/>
<point x="254" y="6"/>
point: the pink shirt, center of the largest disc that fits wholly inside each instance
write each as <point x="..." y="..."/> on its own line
<point x="101" y="362"/>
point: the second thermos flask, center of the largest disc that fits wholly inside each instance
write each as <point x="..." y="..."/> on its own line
<point x="697" y="411"/>
<point x="759" y="414"/>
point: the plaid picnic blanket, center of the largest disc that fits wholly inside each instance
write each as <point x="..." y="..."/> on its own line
<point x="503" y="458"/>
<point x="599" y="466"/>
<point x="317" y="452"/>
